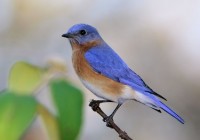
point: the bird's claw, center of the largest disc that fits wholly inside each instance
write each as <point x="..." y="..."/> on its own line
<point x="94" y="105"/>
<point x="109" y="121"/>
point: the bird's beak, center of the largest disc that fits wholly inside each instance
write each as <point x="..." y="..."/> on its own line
<point x="68" y="35"/>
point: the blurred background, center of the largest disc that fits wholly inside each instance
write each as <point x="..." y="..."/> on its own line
<point x="158" y="39"/>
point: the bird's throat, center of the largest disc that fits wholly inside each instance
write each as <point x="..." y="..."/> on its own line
<point x="85" y="46"/>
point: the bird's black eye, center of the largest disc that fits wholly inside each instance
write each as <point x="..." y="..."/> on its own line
<point x="83" y="32"/>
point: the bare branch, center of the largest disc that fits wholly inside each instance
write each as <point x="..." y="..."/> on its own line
<point x="95" y="107"/>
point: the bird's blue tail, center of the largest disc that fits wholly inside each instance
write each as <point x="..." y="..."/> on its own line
<point x="171" y="112"/>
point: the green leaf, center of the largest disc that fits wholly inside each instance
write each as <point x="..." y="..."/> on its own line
<point x="69" y="103"/>
<point x="16" y="114"/>
<point x="50" y="123"/>
<point x="24" y="78"/>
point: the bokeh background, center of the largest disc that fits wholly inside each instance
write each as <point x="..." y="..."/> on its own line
<point x="160" y="40"/>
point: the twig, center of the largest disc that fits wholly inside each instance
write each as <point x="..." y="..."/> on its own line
<point x="95" y="107"/>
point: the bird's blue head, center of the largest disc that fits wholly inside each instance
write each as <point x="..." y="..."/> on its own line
<point x="82" y="34"/>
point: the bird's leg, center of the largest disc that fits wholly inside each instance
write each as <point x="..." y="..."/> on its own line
<point x="95" y="103"/>
<point x="109" y="119"/>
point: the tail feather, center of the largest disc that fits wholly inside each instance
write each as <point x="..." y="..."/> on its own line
<point x="153" y="102"/>
<point x="171" y="112"/>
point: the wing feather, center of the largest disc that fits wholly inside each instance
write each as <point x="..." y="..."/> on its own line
<point x="106" y="62"/>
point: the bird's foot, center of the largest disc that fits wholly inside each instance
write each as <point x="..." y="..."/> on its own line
<point x="94" y="105"/>
<point x="109" y="121"/>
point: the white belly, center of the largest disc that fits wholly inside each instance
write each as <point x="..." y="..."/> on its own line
<point x="126" y="94"/>
<point x="94" y="89"/>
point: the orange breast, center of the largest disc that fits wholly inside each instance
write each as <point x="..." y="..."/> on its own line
<point x="86" y="73"/>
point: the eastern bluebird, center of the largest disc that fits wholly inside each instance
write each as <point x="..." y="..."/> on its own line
<point x="106" y="75"/>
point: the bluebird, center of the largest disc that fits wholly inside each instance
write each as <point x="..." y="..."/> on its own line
<point x="104" y="73"/>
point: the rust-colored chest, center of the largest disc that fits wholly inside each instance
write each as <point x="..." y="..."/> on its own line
<point x="96" y="80"/>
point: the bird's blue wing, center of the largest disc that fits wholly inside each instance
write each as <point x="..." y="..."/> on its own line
<point x="106" y="62"/>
